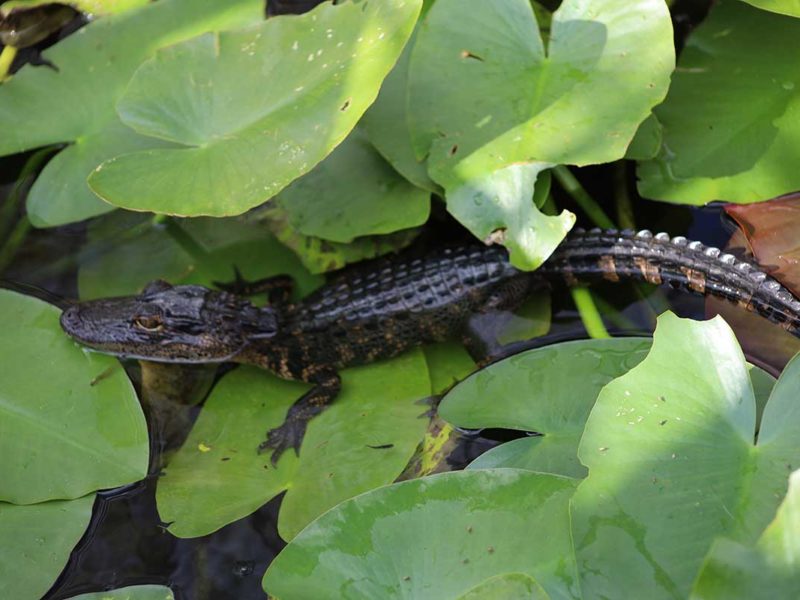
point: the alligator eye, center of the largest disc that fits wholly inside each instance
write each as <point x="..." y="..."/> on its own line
<point x="149" y="322"/>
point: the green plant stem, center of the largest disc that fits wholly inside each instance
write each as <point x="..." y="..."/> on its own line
<point x="15" y="239"/>
<point x="622" y="197"/>
<point x="7" y="56"/>
<point x="615" y="316"/>
<point x="588" y="205"/>
<point x="590" y="316"/>
<point x="10" y="207"/>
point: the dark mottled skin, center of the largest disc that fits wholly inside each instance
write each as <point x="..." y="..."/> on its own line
<point x="384" y="307"/>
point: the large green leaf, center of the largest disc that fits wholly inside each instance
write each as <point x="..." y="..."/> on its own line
<point x="40" y="106"/>
<point x="198" y="251"/>
<point x="731" y="126"/>
<point x="362" y="441"/>
<point x="37" y="541"/>
<point x="786" y="7"/>
<point x="254" y="109"/>
<point x="672" y="462"/>
<point x="539" y="391"/>
<point x="770" y="569"/>
<point x="528" y="109"/>
<point x="70" y="422"/>
<point x="134" y="592"/>
<point x="607" y="64"/>
<point x="353" y="192"/>
<point x="435" y="537"/>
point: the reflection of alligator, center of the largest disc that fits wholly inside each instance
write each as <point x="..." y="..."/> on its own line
<point x="383" y="307"/>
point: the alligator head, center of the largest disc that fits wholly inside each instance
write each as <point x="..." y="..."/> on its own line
<point x="183" y="323"/>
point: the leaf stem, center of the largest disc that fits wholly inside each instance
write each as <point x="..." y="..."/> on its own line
<point x="14" y="241"/>
<point x="622" y="197"/>
<point x="590" y="316"/>
<point x="10" y="207"/>
<point x="582" y="198"/>
<point x="7" y="56"/>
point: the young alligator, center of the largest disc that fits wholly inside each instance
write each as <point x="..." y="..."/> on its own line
<point x="389" y="305"/>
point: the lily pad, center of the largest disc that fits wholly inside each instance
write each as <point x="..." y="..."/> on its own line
<point x="37" y="541"/>
<point x="769" y="569"/>
<point x="354" y="192"/>
<point x="435" y="537"/>
<point x="538" y="391"/>
<point x="362" y="441"/>
<point x="528" y="108"/>
<point x="731" y="130"/>
<point x="606" y="58"/>
<point x="134" y="592"/>
<point x="198" y="251"/>
<point x="672" y="462"/>
<point x="298" y="84"/>
<point x="70" y="422"/>
<point x="75" y="104"/>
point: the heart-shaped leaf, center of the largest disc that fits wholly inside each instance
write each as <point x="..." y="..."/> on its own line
<point x="70" y="422"/>
<point x="672" y="462"/>
<point x="254" y="109"/>
<point x="786" y="7"/>
<point x="528" y="108"/>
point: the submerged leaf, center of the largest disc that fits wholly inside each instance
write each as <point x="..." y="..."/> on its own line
<point x="731" y="130"/>
<point x="70" y="422"/>
<point x="435" y="537"/>
<point x="133" y="592"/>
<point x="242" y="144"/>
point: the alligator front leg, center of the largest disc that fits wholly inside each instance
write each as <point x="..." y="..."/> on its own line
<point x="314" y="401"/>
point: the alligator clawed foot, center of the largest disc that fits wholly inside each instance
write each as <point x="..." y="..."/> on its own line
<point x="280" y="439"/>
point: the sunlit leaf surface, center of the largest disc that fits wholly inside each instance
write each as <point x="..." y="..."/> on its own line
<point x="673" y="464"/>
<point x="580" y="102"/>
<point x="76" y="103"/>
<point x="298" y="84"/>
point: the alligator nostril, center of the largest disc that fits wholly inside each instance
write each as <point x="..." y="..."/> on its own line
<point x="70" y="319"/>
